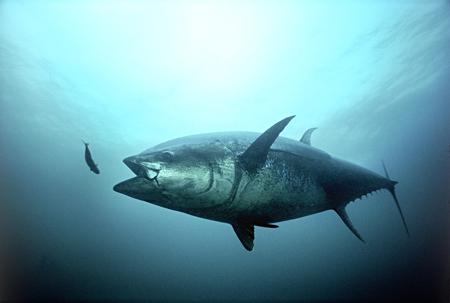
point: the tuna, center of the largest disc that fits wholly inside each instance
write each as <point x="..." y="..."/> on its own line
<point x="248" y="179"/>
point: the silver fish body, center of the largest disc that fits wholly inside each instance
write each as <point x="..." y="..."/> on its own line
<point x="248" y="179"/>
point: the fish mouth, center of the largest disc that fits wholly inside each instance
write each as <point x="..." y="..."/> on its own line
<point x="121" y="187"/>
<point x="147" y="170"/>
<point x="135" y="187"/>
<point x="132" y="164"/>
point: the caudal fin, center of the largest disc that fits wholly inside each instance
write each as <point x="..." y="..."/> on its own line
<point x="85" y="143"/>
<point x="391" y="189"/>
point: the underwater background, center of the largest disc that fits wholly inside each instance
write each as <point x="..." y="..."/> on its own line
<point x="374" y="77"/>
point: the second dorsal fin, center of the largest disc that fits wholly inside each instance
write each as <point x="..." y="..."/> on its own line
<point x="255" y="155"/>
<point x="306" y="138"/>
<point x="343" y="214"/>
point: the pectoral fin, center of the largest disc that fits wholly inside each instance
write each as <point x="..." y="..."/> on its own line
<point x="255" y="155"/>
<point x="343" y="214"/>
<point x="245" y="233"/>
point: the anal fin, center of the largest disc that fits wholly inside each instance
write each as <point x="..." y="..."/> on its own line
<point x="245" y="233"/>
<point x="343" y="214"/>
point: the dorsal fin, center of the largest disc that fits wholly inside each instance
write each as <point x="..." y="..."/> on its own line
<point x="255" y="155"/>
<point x="306" y="138"/>
<point x="343" y="214"/>
<point x="245" y="233"/>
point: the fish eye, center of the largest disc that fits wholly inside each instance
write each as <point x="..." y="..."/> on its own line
<point x="166" y="156"/>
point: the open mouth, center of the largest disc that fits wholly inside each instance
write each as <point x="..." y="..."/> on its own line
<point x="146" y="170"/>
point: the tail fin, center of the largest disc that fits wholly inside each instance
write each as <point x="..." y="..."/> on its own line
<point x="85" y="143"/>
<point x="391" y="189"/>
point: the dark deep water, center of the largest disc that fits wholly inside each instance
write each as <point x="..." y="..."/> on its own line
<point x="374" y="77"/>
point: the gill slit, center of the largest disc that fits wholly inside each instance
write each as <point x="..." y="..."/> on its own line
<point x="211" y="179"/>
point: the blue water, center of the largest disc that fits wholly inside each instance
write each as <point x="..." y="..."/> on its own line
<point x="124" y="76"/>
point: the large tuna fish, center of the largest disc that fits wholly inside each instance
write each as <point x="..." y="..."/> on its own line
<point x="249" y="179"/>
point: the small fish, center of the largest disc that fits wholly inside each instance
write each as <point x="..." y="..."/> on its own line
<point x="89" y="161"/>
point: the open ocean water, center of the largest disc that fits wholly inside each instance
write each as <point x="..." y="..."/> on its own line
<point x="373" y="76"/>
